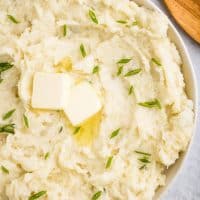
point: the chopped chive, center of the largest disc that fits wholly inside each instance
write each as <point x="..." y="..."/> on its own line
<point x="142" y="167"/>
<point x="64" y="30"/>
<point x="92" y="16"/>
<point x="37" y="195"/>
<point x="77" y="129"/>
<point x="8" y="114"/>
<point x="60" y="129"/>
<point x="96" y="195"/>
<point x="135" y="23"/>
<point x="13" y="19"/>
<point x="154" y="60"/>
<point x="8" y="128"/>
<point x="26" y="122"/>
<point x="114" y="133"/>
<point x="151" y="104"/>
<point x="121" y="21"/>
<point x="109" y="162"/>
<point x="133" y="72"/>
<point x="131" y="89"/>
<point x="5" y="66"/>
<point x="82" y="49"/>
<point x="143" y="153"/>
<point x="46" y="155"/>
<point x="124" y="61"/>
<point x="120" y="69"/>
<point x="95" y="69"/>
<point x="144" y="160"/>
<point x="4" y="170"/>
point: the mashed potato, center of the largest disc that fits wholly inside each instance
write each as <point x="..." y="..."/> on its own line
<point x="146" y="121"/>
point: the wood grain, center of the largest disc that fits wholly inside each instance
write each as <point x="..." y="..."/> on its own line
<point x="187" y="14"/>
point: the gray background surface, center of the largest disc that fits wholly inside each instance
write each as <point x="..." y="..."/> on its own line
<point x="187" y="184"/>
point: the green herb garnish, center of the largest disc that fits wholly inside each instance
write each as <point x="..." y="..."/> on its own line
<point x="46" y="155"/>
<point x="151" y="104"/>
<point x="143" y="166"/>
<point x="37" y="195"/>
<point x="12" y="19"/>
<point x="120" y="69"/>
<point x="109" y="162"/>
<point x="114" y="133"/>
<point x="8" y="114"/>
<point x="64" y="30"/>
<point x="156" y="62"/>
<point x="143" y="153"/>
<point x="77" y="129"/>
<point x="144" y="160"/>
<point x="135" y="23"/>
<point x="121" y="21"/>
<point x="131" y="89"/>
<point x="96" y="195"/>
<point x="5" y="66"/>
<point x="8" y="128"/>
<point x="26" y="122"/>
<point x="60" y="129"/>
<point x="95" y="69"/>
<point x="82" y="49"/>
<point x="92" y="16"/>
<point x="124" y="61"/>
<point x="133" y="72"/>
<point x="4" y="170"/>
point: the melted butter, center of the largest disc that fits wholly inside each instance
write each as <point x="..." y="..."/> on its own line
<point x="65" y="65"/>
<point x="89" y="130"/>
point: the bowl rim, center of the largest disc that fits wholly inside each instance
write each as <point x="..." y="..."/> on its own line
<point x="189" y="65"/>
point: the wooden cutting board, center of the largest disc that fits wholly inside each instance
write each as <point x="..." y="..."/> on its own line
<point x="187" y="14"/>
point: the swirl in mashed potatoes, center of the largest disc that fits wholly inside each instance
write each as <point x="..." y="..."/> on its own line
<point x="124" y="52"/>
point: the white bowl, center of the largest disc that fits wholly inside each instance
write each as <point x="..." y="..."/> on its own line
<point x="191" y="90"/>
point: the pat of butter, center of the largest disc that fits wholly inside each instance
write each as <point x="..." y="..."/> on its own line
<point x="50" y="90"/>
<point x="82" y="104"/>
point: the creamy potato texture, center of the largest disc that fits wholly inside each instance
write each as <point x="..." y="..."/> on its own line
<point x="123" y="151"/>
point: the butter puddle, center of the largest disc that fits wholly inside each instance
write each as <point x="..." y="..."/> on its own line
<point x="65" y="65"/>
<point x="88" y="130"/>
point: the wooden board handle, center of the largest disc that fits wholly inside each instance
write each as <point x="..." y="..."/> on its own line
<point x="187" y="14"/>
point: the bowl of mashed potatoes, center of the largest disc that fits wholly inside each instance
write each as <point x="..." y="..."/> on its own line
<point x="98" y="100"/>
